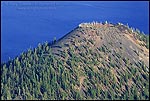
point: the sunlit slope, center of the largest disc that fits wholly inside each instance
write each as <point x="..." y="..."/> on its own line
<point x="93" y="61"/>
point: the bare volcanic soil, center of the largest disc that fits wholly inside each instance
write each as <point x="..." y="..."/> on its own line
<point x="94" y="61"/>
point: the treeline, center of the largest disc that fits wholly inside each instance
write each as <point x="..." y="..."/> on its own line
<point x="38" y="74"/>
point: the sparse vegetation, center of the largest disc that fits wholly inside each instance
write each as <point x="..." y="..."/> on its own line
<point x="78" y="70"/>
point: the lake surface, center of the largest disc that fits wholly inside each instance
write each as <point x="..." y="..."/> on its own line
<point x="25" y="24"/>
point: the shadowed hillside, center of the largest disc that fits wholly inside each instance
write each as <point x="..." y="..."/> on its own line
<point x="93" y="61"/>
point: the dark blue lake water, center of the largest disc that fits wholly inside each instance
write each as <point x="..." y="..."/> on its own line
<point x="25" y="24"/>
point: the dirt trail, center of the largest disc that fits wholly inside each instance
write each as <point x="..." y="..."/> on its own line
<point x="81" y="81"/>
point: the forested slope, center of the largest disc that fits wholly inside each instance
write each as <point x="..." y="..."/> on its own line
<point x="93" y="61"/>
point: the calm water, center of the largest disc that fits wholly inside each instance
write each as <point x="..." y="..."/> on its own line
<point x="25" y="24"/>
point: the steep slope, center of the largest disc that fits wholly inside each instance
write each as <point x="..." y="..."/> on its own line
<point x="93" y="61"/>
